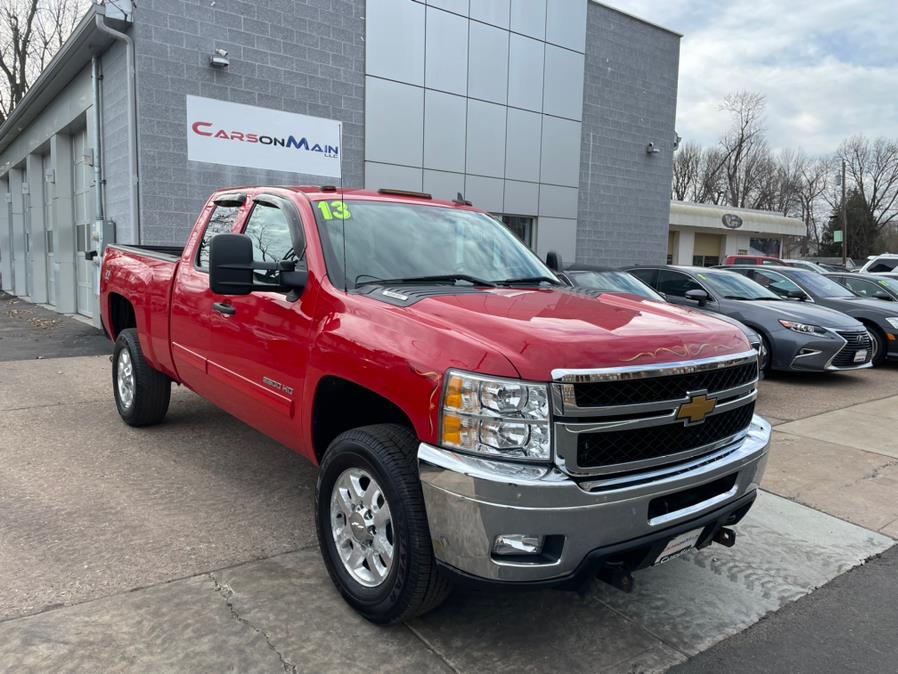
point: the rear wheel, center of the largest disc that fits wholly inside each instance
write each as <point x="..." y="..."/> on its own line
<point x="141" y="393"/>
<point x="372" y="526"/>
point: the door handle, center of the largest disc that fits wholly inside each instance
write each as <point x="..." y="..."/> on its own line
<point x="224" y="309"/>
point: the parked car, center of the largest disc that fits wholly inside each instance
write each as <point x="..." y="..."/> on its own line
<point x="798" y="337"/>
<point x="879" y="264"/>
<point x="607" y="279"/>
<point x="880" y="318"/>
<point x="872" y="286"/>
<point x="472" y="417"/>
<point x="752" y="259"/>
<point x="805" y="264"/>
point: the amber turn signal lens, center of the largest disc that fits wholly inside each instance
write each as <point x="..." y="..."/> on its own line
<point x="454" y="393"/>
<point x="452" y="429"/>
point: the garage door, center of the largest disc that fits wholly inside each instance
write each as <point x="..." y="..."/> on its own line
<point x="706" y="250"/>
<point x="85" y="270"/>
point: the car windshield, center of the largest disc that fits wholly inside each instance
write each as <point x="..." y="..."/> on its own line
<point x="888" y="283"/>
<point x="734" y="286"/>
<point x="818" y="284"/>
<point x="613" y="282"/>
<point x="368" y="241"/>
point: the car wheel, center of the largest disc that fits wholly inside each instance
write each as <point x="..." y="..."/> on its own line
<point x="765" y="357"/>
<point x="372" y="525"/>
<point x="879" y="346"/>
<point x="141" y="393"/>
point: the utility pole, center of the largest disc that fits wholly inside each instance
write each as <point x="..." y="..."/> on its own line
<point x="844" y="221"/>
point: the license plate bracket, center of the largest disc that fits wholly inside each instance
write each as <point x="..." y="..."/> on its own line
<point x="860" y="356"/>
<point x="678" y="545"/>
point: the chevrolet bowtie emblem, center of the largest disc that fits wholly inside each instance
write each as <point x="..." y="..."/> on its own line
<point x="696" y="409"/>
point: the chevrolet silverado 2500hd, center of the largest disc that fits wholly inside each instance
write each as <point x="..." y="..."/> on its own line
<point x="474" y="420"/>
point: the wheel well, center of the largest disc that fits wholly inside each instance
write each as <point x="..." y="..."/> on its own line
<point x="121" y="314"/>
<point x="341" y="405"/>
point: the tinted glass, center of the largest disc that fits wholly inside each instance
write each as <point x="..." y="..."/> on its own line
<point x="220" y="222"/>
<point x="647" y="276"/>
<point x="820" y="284"/>
<point x="676" y="283"/>
<point x="272" y="241"/>
<point x="734" y="286"/>
<point x="613" y="282"/>
<point x="883" y="264"/>
<point x="861" y="287"/>
<point x="402" y="241"/>
<point x="775" y="282"/>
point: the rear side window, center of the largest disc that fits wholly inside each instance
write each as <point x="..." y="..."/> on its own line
<point x="647" y="276"/>
<point x="220" y="222"/>
<point x="676" y="283"/>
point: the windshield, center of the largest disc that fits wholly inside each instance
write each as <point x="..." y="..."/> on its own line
<point x="613" y="282"/>
<point x="889" y="283"/>
<point x="734" y="286"/>
<point x="402" y="241"/>
<point x="818" y="284"/>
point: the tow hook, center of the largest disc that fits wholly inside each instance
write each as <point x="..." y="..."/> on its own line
<point x="725" y="537"/>
<point x="616" y="576"/>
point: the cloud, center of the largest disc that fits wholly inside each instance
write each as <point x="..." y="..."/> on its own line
<point x="828" y="68"/>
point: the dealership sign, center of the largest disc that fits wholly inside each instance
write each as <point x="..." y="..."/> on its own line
<point x="234" y="134"/>
<point x="732" y="221"/>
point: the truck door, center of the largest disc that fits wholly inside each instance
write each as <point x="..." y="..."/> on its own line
<point x="259" y="343"/>
<point x="192" y="315"/>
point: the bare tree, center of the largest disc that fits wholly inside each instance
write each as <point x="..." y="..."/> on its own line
<point x="686" y="168"/>
<point x="744" y="146"/>
<point x="873" y="168"/>
<point x="31" y="32"/>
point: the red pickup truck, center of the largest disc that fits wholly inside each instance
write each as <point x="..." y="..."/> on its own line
<point x="474" y="419"/>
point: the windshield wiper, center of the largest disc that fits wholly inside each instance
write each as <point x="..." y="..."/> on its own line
<point x="528" y="280"/>
<point x="441" y="278"/>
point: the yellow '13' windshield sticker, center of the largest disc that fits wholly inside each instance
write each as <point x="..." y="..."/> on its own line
<point x="334" y="210"/>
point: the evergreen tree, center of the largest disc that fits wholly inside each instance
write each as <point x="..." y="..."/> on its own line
<point x="863" y="237"/>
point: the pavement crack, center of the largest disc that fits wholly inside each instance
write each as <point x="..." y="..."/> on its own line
<point x="433" y="649"/>
<point x="226" y="593"/>
<point x="877" y="472"/>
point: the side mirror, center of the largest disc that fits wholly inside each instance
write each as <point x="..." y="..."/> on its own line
<point x="883" y="295"/>
<point x="698" y="295"/>
<point x="231" y="264"/>
<point x="553" y="261"/>
<point x="796" y="295"/>
<point x="231" y="268"/>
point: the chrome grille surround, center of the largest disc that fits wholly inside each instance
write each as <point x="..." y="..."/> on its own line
<point x="571" y="420"/>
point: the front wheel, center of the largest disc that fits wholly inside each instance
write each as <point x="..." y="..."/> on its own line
<point x="372" y="526"/>
<point x="880" y="346"/>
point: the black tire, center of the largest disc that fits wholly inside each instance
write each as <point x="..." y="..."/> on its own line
<point x="765" y="363"/>
<point x="151" y="388"/>
<point x="880" y="345"/>
<point x="414" y="584"/>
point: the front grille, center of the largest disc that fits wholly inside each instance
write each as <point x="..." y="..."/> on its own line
<point x="639" y="444"/>
<point x="654" y="389"/>
<point x="857" y="341"/>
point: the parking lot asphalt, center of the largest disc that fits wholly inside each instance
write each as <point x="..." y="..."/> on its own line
<point x="190" y="546"/>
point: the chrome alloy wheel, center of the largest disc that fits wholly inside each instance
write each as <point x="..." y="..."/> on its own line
<point x="125" y="378"/>
<point x="362" y="527"/>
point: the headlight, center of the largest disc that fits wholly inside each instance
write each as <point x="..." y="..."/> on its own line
<point x="504" y="418"/>
<point x="893" y="321"/>
<point x="805" y="328"/>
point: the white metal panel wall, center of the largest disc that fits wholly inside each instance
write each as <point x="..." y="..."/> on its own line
<point x="483" y="97"/>
<point x="83" y="201"/>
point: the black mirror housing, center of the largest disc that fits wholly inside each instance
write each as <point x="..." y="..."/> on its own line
<point x="231" y="264"/>
<point x="795" y="295"/>
<point x="553" y="261"/>
<point x="698" y="295"/>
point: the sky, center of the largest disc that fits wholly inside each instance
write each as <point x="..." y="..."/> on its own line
<point x="828" y="68"/>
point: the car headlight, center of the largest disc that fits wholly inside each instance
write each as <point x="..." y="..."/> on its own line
<point x="893" y="321"/>
<point x="503" y="418"/>
<point x="805" y="328"/>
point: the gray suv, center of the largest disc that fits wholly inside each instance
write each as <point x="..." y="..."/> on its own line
<point x="798" y="336"/>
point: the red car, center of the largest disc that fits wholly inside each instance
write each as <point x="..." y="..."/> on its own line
<point x="753" y="259"/>
<point x="473" y="418"/>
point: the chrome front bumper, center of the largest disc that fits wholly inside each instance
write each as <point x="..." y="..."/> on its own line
<point x="470" y="501"/>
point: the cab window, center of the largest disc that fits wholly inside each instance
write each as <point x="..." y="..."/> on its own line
<point x="776" y="283"/>
<point x="220" y="222"/>
<point x="675" y="283"/>
<point x="269" y="230"/>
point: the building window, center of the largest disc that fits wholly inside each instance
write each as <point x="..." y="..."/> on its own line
<point x="705" y="260"/>
<point x="521" y="227"/>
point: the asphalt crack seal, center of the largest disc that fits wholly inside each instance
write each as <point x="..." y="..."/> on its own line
<point x="226" y="592"/>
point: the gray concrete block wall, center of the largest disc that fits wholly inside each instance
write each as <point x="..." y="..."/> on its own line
<point x="114" y="143"/>
<point x="630" y="98"/>
<point x="302" y="56"/>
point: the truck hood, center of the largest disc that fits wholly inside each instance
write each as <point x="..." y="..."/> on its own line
<point x="803" y="312"/>
<point x="542" y="330"/>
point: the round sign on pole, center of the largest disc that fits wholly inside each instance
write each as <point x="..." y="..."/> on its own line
<point x="731" y="221"/>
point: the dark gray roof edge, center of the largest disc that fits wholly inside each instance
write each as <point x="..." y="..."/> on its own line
<point x="636" y="18"/>
<point x="85" y="41"/>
